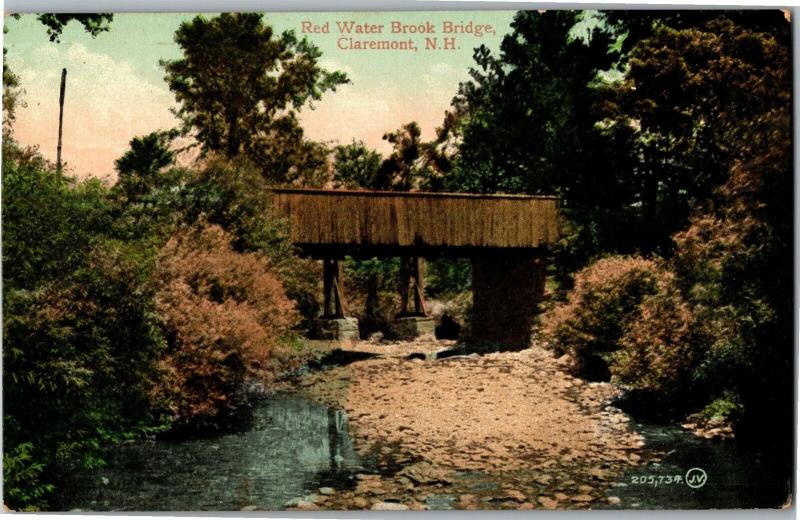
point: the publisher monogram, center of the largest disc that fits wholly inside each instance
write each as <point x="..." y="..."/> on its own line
<point x="696" y="478"/>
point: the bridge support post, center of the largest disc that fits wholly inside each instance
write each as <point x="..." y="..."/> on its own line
<point x="413" y="322"/>
<point x="332" y="287"/>
<point x="334" y="325"/>
<point x="412" y="286"/>
<point x="506" y="290"/>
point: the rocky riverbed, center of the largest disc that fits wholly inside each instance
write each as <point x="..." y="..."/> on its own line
<point x="499" y="431"/>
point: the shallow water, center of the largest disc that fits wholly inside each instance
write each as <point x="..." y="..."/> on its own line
<point x="735" y="476"/>
<point x="293" y="446"/>
<point x="290" y="448"/>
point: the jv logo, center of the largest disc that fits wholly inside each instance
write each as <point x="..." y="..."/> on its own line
<point x="696" y="478"/>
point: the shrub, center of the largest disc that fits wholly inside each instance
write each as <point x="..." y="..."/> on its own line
<point x="227" y="317"/>
<point x="658" y="347"/>
<point x="234" y="195"/>
<point x="605" y="299"/>
<point x="447" y="277"/>
<point x="78" y="361"/>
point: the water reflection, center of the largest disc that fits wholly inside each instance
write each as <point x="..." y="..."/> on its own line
<point x="291" y="448"/>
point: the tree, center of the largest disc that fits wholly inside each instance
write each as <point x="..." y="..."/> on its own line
<point x="734" y="260"/>
<point x="680" y="104"/>
<point x="11" y="96"/>
<point x="527" y="121"/>
<point x="140" y="169"/>
<point x="400" y="171"/>
<point x="240" y="88"/>
<point x="355" y="166"/>
<point x="79" y="329"/>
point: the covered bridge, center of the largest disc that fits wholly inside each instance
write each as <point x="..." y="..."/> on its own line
<point x="506" y="236"/>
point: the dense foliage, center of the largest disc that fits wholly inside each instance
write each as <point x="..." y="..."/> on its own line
<point x="80" y="331"/>
<point x="708" y="98"/>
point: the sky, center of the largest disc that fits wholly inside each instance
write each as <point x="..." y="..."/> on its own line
<point x="116" y="90"/>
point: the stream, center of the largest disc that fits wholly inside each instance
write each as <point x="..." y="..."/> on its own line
<point x="291" y="447"/>
<point x="697" y="473"/>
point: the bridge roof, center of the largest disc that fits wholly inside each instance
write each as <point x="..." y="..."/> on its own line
<point x="350" y="219"/>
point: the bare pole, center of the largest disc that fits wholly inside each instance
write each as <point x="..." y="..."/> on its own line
<point x="61" y="116"/>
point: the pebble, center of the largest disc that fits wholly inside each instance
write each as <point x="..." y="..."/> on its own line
<point x="513" y="494"/>
<point x="614" y="501"/>
<point x="326" y="491"/>
<point x="249" y="508"/>
<point x="359" y="503"/>
<point x="388" y="506"/>
<point x="548" y="503"/>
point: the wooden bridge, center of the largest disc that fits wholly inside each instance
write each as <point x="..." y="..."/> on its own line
<point x="506" y="236"/>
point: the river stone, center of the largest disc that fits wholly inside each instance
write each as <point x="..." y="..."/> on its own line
<point x="425" y="473"/>
<point x="327" y="491"/>
<point x="582" y="498"/>
<point x="298" y="501"/>
<point x="388" y="506"/>
<point x="359" y="503"/>
<point x="249" y="508"/>
<point x="304" y="505"/>
<point x="513" y="494"/>
<point x="614" y="501"/>
<point x="548" y="503"/>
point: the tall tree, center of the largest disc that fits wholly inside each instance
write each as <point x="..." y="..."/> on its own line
<point x="731" y="85"/>
<point x="240" y="88"/>
<point x="679" y="104"/>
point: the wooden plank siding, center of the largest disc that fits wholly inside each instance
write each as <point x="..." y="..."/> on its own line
<point x="414" y="219"/>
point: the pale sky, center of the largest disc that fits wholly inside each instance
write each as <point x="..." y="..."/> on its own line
<point x="115" y="87"/>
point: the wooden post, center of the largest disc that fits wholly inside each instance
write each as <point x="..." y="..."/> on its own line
<point x="61" y="116"/>
<point x="418" y="279"/>
<point x="412" y="285"/>
<point x="332" y="287"/>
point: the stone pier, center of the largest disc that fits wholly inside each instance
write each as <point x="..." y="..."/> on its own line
<point x="506" y="288"/>
<point x="334" y="325"/>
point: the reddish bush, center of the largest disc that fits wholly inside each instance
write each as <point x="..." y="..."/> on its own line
<point x="657" y="350"/>
<point x="606" y="297"/>
<point x="227" y="318"/>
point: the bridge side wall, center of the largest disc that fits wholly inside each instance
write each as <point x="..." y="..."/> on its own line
<point x="413" y="219"/>
<point x="506" y="290"/>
